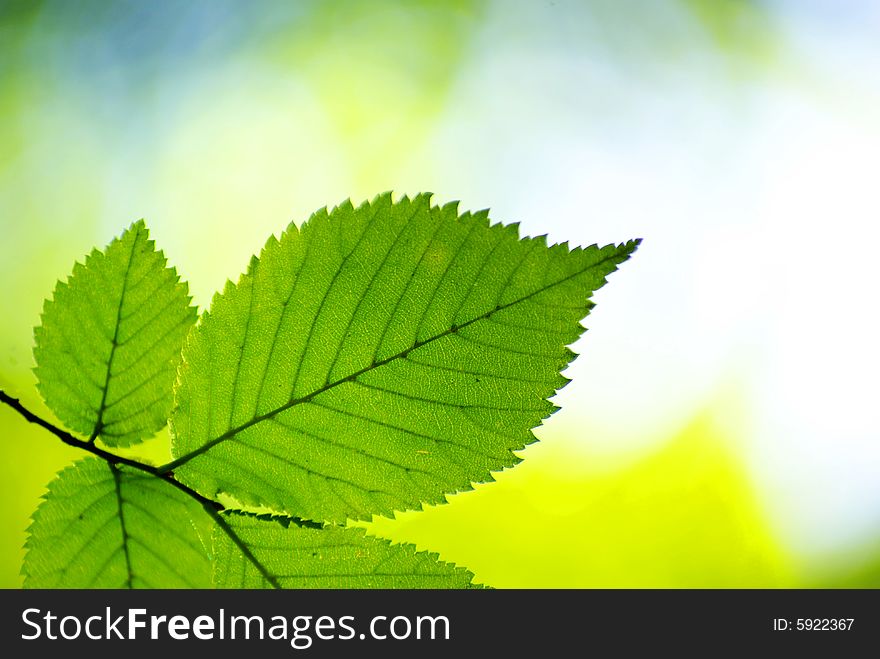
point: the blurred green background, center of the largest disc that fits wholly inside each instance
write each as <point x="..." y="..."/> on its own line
<point x="722" y="426"/>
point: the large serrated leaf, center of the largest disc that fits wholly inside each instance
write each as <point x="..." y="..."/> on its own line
<point x="275" y="552"/>
<point x="106" y="526"/>
<point x="109" y="342"/>
<point x="379" y="358"/>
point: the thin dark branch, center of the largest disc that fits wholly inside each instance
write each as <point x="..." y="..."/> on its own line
<point x="213" y="507"/>
<point x="70" y="440"/>
<point x="112" y="458"/>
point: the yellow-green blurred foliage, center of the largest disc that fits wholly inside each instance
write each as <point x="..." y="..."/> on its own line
<point x="683" y="516"/>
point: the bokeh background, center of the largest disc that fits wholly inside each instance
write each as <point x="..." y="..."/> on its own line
<point x="723" y="423"/>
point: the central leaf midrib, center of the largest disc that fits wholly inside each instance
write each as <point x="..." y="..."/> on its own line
<point x="349" y="378"/>
<point x="116" y="482"/>
<point x="245" y="550"/>
<point x="99" y="424"/>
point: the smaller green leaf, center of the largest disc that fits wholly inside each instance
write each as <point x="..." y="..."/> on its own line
<point x="106" y="526"/>
<point x="110" y="339"/>
<point x="262" y="551"/>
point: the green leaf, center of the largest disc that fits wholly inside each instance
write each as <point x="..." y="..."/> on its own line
<point x="378" y="358"/>
<point x="109" y="343"/>
<point x="276" y="552"/>
<point x="106" y="526"/>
